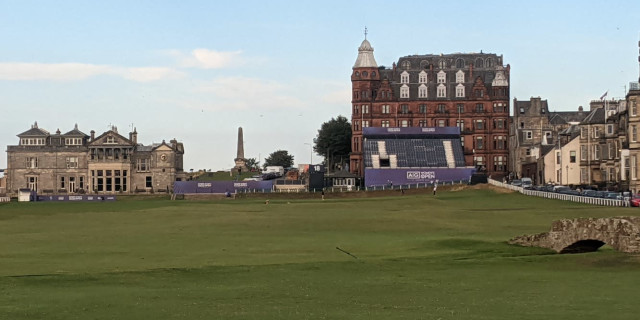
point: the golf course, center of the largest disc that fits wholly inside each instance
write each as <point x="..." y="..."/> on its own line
<point x="396" y="256"/>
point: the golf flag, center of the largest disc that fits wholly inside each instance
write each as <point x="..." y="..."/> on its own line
<point x="604" y="95"/>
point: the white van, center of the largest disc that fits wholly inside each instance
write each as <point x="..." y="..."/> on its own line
<point x="527" y="183"/>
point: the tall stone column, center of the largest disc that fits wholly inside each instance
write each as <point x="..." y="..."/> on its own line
<point x="240" y="160"/>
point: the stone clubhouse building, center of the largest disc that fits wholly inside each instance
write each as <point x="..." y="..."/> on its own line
<point x="76" y="163"/>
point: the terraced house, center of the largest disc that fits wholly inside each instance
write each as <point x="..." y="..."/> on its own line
<point x="74" y="162"/>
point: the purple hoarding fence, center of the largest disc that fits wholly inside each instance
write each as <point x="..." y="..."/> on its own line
<point x="221" y="187"/>
<point x="75" y="198"/>
<point x="417" y="176"/>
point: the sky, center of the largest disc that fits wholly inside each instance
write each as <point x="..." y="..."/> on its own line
<point x="197" y="70"/>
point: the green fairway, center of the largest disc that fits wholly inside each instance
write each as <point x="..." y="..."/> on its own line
<point x="418" y="257"/>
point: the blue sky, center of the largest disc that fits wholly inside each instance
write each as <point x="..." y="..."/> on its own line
<point x="198" y="70"/>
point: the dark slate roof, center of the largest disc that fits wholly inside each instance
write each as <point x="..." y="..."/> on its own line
<point x="75" y="133"/>
<point x="567" y="116"/>
<point x="526" y="105"/>
<point x="545" y="149"/>
<point x="34" y="132"/>
<point x="596" y="116"/>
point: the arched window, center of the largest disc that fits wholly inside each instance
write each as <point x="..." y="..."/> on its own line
<point x="479" y="63"/>
<point x="404" y="77"/>
<point x="422" y="91"/>
<point x="422" y="77"/>
<point x="460" y="76"/>
<point x="424" y="64"/>
<point x="442" y="91"/>
<point x="489" y="63"/>
<point x="442" y="64"/>
<point x="357" y="73"/>
<point x="406" y="65"/>
<point x="404" y="91"/>
<point x="364" y="73"/>
<point x="373" y="74"/>
<point x="459" y="63"/>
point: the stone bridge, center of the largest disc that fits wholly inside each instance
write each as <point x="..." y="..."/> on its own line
<point x="587" y="235"/>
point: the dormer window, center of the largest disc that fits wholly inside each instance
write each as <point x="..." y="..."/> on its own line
<point x="406" y="65"/>
<point x="422" y="91"/>
<point x="422" y="78"/>
<point x="32" y="141"/>
<point x="404" y="77"/>
<point x="110" y="140"/>
<point x="460" y="76"/>
<point x="460" y="91"/>
<point x="73" y="141"/>
<point x="442" y="64"/>
<point x="404" y="92"/>
<point x="459" y="63"/>
<point x="442" y="77"/>
<point x="442" y="91"/>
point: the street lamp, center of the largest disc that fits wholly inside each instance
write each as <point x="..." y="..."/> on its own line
<point x="310" y="153"/>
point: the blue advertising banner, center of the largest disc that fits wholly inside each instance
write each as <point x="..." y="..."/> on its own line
<point x="188" y="187"/>
<point x="76" y="198"/>
<point x="377" y="177"/>
<point x="410" y="131"/>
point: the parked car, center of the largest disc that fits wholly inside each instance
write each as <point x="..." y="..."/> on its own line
<point x="613" y="195"/>
<point x="527" y="183"/>
<point x="517" y="183"/>
<point x="589" y="193"/>
<point x="635" y="200"/>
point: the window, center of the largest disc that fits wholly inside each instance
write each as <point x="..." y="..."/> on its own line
<point x="72" y="162"/>
<point x="498" y="163"/>
<point x="460" y="76"/>
<point x="479" y="107"/>
<point x="521" y="110"/>
<point x="442" y="108"/>
<point x="499" y="142"/>
<point x="385" y="123"/>
<point x="364" y="73"/>
<point x="365" y="108"/>
<point x="489" y="63"/>
<point x="634" y="133"/>
<point x="634" y="167"/>
<point x="404" y="91"/>
<point x="479" y="63"/>
<point x="404" y="123"/>
<point x="365" y="123"/>
<point x="356" y="109"/>
<point x="583" y="175"/>
<point x="61" y="182"/>
<point x="110" y="140"/>
<point x="423" y="108"/>
<point x="479" y="143"/>
<point x="422" y="91"/>
<point x="460" y="107"/>
<point x="583" y="153"/>
<point x="528" y="134"/>
<point x="422" y="77"/>
<point x="478" y="160"/>
<point x="32" y="141"/>
<point x="460" y="124"/>
<point x="521" y="124"/>
<point x="142" y="164"/>
<point x="527" y="152"/>
<point x="634" y="108"/>
<point x="406" y="64"/>
<point x="442" y="91"/>
<point x="404" y="109"/>
<point x="442" y="77"/>
<point x="385" y="108"/>
<point x="479" y="93"/>
<point x="572" y="156"/>
<point x="479" y="124"/>
<point x="32" y="183"/>
<point x="442" y="123"/>
<point x="31" y="162"/>
<point x="148" y="182"/>
<point x="596" y="152"/>
<point x="583" y="133"/>
<point x="442" y="64"/>
<point x="404" y="77"/>
<point x="557" y="157"/>
<point x="612" y="150"/>
<point x="460" y="91"/>
<point x="73" y="141"/>
<point x="612" y="174"/>
<point x="422" y="123"/>
<point x="459" y="63"/>
<point x="498" y="123"/>
<point x="596" y="132"/>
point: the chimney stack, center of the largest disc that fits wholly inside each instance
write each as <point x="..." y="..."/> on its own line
<point x="93" y="135"/>
<point x="133" y="136"/>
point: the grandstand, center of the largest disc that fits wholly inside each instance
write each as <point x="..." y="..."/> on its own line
<point x="413" y="155"/>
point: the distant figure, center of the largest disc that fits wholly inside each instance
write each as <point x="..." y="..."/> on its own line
<point x="267" y="201"/>
<point x="322" y="194"/>
<point x="227" y="194"/>
<point x="435" y="187"/>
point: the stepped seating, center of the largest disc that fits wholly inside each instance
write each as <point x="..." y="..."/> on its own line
<point x="411" y="153"/>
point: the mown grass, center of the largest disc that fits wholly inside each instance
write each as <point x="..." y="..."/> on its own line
<point x="418" y="257"/>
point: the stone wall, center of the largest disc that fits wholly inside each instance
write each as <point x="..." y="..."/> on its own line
<point x="587" y="234"/>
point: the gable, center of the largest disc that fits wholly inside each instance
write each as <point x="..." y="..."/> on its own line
<point x="110" y="138"/>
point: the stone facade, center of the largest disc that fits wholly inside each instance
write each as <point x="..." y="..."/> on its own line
<point x="633" y="159"/>
<point x="76" y="163"/>
<point x="586" y="235"/>
<point x="470" y="91"/>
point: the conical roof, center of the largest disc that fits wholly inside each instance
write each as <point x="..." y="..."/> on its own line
<point x="365" y="56"/>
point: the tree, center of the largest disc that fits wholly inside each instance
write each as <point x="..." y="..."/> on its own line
<point x="279" y="158"/>
<point x="334" y="140"/>
<point x="252" y="164"/>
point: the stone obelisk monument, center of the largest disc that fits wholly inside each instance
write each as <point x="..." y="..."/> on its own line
<point x="241" y="163"/>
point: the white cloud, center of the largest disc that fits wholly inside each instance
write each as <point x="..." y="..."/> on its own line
<point x="24" y="71"/>
<point x="207" y="59"/>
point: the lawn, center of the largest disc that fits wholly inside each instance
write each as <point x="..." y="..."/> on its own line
<point x="418" y="257"/>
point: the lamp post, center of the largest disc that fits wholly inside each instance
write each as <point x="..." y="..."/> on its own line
<point x="310" y="153"/>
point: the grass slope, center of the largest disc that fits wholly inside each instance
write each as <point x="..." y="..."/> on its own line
<point x="419" y="257"/>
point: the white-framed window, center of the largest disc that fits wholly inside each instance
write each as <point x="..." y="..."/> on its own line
<point x="32" y="183"/>
<point x="422" y="77"/>
<point x="404" y="91"/>
<point x="143" y="165"/>
<point x="442" y="123"/>
<point x="365" y="123"/>
<point x="384" y="123"/>
<point x="478" y="160"/>
<point x="442" y="91"/>
<point x="499" y="142"/>
<point x="528" y="134"/>
<point x="634" y="108"/>
<point x="557" y="157"/>
<point x="73" y="141"/>
<point x="478" y="124"/>
<point x="527" y="152"/>
<point x="460" y="76"/>
<point x="404" y="77"/>
<point x="406" y="64"/>
<point x="31" y="162"/>
<point x="596" y="152"/>
<point x="365" y="108"/>
<point x="422" y="123"/>
<point x="583" y="133"/>
<point x="385" y="108"/>
<point x="404" y="123"/>
<point x="110" y="140"/>
<point x="572" y="156"/>
<point x="596" y="132"/>
<point x="460" y="91"/>
<point x="609" y="129"/>
<point x="499" y="163"/>
<point x="442" y="64"/>
<point x="460" y="124"/>
<point x="32" y="141"/>
<point x="479" y="143"/>
<point x="442" y="77"/>
<point x="72" y="162"/>
<point x="583" y="153"/>
<point x="422" y="91"/>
